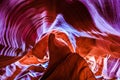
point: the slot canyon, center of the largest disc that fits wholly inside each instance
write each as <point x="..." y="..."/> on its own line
<point x="59" y="40"/>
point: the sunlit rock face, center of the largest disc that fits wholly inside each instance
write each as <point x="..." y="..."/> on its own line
<point x="89" y="28"/>
<point x="61" y="58"/>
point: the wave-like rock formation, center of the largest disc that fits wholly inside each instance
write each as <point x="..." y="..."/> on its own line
<point x="89" y="28"/>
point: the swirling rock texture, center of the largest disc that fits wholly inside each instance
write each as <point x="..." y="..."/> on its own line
<point x="51" y="39"/>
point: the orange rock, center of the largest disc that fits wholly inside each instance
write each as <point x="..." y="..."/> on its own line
<point x="84" y="45"/>
<point x="64" y="65"/>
